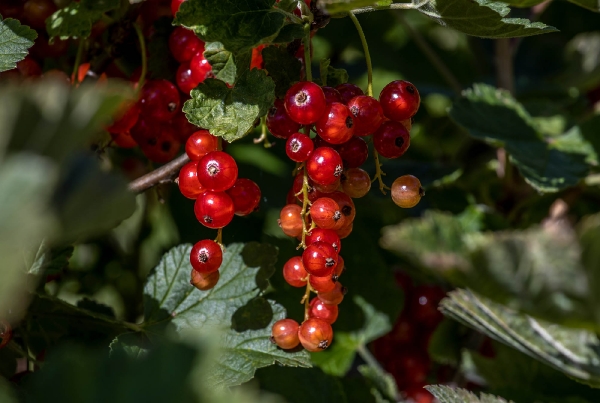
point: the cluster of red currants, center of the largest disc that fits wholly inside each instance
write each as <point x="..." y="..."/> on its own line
<point x="319" y="210"/>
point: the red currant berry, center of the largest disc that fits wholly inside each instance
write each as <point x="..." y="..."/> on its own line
<point x="29" y="68"/>
<point x="346" y="205"/>
<point x="189" y="185"/>
<point x="305" y="102"/>
<point x="200" y="143"/>
<point x="354" y="152"/>
<point x="183" y="128"/>
<point x="324" y="167"/>
<point x="159" y="145"/>
<point x="123" y="140"/>
<point x="356" y="182"/>
<point x="299" y="147"/>
<point x="185" y="79"/>
<point x="326" y="189"/>
<point x="319" y="259"/>
<point x="285" y="333"/>
<point x="339" y="269"/>
<point x="346" y="230"/>
<point x="294" y="273"/>
<point x="315" y="334"/>
<point x="204" y="281"/>
<point x="335" y="296"/>
<point x="322" y="284"/>
<point x="126" y="117"/>
<point x="424" y="303"/>
<point x="336" y="125"/>
<point x="159" y="100"/>
<point x="6" y="333"/>
<point x="184" y="44"/>
<point x="320" y="310"/>
<point x="290" y="220"/>
<point x="175" y="4"/>
<point x="217" y="171"/>
<point x="324" y="235"/>
<point x="400" y="100"/>
<point x="407" y="191"/>
<point x="410" y="366"/>
<point x="245" y="195"/>
<point x="279" y="123"/>
<point x="36" y="12"/>
<point x="348" y="91"/>
<point x="391" y="139"/>
<point x="326" y="214"/>
<point x="206" y="256"/>
<point x="367" y="113"/>
<point x="332" y="95"/>
<point x="200" y="67"/>
<point x="214" y="209"/>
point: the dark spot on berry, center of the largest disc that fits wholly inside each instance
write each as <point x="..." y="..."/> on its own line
<point x="338" y="171"/>
<point x="272" y="339"/>
<point x="323" y="344"/>
<point x="421" y="192"/>
<point x="346" y="210"/>
<point x="329" y="262"/>
<point x="349" y="122"/>
<point x="344" y="290"/>
<point x="336" y="246"/>
<point x="336" y="216"/>
<point x="207" y="219"/>
<point x="301" y="98"/>
<point x="354" y="110"/>
<point x="165" y="146"/>
<point x="410" y="89"/>
<point x="152" y="141"/>
<point x="172" y="106"/>
<point x="213" y="169"/>
<point x="203" y="256"/>
<point x="335" y="278"/>
<point x="272" y="111"/>
<point x="399" y="142"/>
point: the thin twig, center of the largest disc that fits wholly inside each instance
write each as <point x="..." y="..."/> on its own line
<point x="159" y="175"/>
<point x="393" y="6"/>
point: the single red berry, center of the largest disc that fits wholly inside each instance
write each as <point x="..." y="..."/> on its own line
<point x="185" y="79"/>
<point x="159" y="145"/>
<point x="367" y="113"/>
<point x="184" y="44"/>
<point x="126" y="117"/>
<point x="324" y="166"/>
<point x="423" y="305"/>
<point x="285" y="333"/>
<point x="319" y="259"/>
<point x="346" y="230"/>
<point x="217" y="171"/>
<point x="29" y="68"/>
<point x="123" y="140"/>
<point x="188" y="182"/>
<point x="335" y="296"/>
<point x="214" y="209"/>
<point x="200" y="143"/>
<point x="313" y="193"/>
<point x="204" y="281"/>
<point x="346" y="204"/>
<point x="322" y="284"/>
<point x="315" y="334"/>
<point x="36" y="12"/>
<point x="299" y="147"/>
<point x="391" y="140"/>
<point x="324" y="235"/>
<point x="356" y="182"/>
<point x="348" y="91"/>
<point x="326" y="214"/>
<point x="339" y="269"/>
<point x="175" y="4"/>
<point x="279" y="123"/>
<point x="335" y="125"/>
<point x="400" y="100"/>
<point x="320" y="310"/>
<point x="206" y="256"/>
<point x="245" y="194"/>
<point x="200" y="67"/>
<point x="183" y="128"/>
<point x="294" y="272"/>
<point x="407" y="191"/>
<point x="159" y="100"/>
<point x="332" y="95"/>
<point x="6" y="333"/>
<point x="290" y="220"/>
<point x="354" y="152"/>
<point x="326" y="189"/>
<point x="305" y="102"/>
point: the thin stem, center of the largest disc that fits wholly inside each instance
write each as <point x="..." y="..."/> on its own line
<point x="160" y="175"/>
<point x="379" y="174"/>
<point x="430" y="54"/>
<point x="306" y="297"/>
<point x="505" y="77"/>
<point x="219" y="239"/>
<point x="365" y="46"/>
<point x="78" y="57"/>
<point x="393" y="6"/>
<point x="142" y="41"/>
<point x="307" y="61"/>
<point x="305" y="205"/>
<point x="264" y="136"/>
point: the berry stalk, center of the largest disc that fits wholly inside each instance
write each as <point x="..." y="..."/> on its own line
<point x="307" y="60"/>
<point x="142" y="41"/>
<point x="78" y="61"/>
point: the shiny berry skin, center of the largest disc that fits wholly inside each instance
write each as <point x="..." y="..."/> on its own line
<point x="206" y="256"/>
<point x="407" y="191"/>
<point x="183" y="128"/>
<point x="305" y="102"/>
<point x="322" y="284"/>
<point x="331" y="95"/>
<point x="279" y="123"/>
<point x="245" y="194"/>
<point x="315" y="334"/>
<point x="159" y="100"/>
<point x="326" y="189"/>
<point x="217" y="171"/>
<point x="36" y="12"/>
<point x="123" y="140"/>
<point x="184" y="44"/>
<point x="391" y="140"/>
<point x="339" y="269"/>
<point x="200" y="143"/>
<point x="290" y="220"/>
<point x="285" y="333"/>
<point x="294" y="273"/>
<point x="346" y="230"/>
<point x="335" y="296"/>
<point x="320" y="310"/>
<point x="367" y="113"/>
<point x="319" y="259"/>
<point x="336" y="125"/>
<point x="348" y="91"/>
<point x="346" y="205"/>
<point x="324" y="235"/>
<point x="184" y="78"/>
<point x="214" y="209"/>
<point x="188" y="182"/>
<point x="299" y="147"/>
<point x="400" y="100"/>
<point x="324" y="166"/>
<point x="126" y="117"/>
<point x="200" y="67"/>
<point x="356" y="182"/>
<point x="175" y="4"/>
<point x="326" y="214"/>
<point x="6" y="333"/>
<point x="204" y="281"/>
<point x="354" y="152"/>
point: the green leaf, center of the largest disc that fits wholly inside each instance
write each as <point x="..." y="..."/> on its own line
<point x="96" y="307"/>
<point x="522" y="3"/>
<point x="237" y="25"/>
<point x="15" y="40"/>
<point x="221" y="60"/>
<point x="481" y="18"/>
<point x="592" y="5"/>
<point x="340" y="6"/>
<point x="495" y="116"/>
<point x="282" y="67"/>
<point x="330" y="76"/>
<point x="446" y="394"/>
<point x="47" y="261"/>
<point x="289" y="32"/>
<point x="381" y="380"/>
<point x="76" y="19"/>
<point x="6" y="393"/>
<point x="445" y="344"/>
<point x="231" y="113"/>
